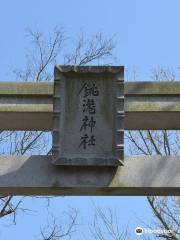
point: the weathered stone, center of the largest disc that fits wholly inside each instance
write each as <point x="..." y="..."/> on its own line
<point x="140" y="175"/>
<point x="148" y="105"/>
<point x="88" y="115"/>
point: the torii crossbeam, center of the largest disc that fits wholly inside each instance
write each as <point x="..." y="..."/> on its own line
<point x="148" y="105"/>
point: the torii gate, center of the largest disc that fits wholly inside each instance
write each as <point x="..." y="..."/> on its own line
<point x="148" y="105"/>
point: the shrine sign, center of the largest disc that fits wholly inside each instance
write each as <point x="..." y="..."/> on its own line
<point x="88" y="122"/>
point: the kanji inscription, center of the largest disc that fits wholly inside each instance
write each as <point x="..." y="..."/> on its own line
<point x="88" y="102"/>
<point x="89" y="92"/>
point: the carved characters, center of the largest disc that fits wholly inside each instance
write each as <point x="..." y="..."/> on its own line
<point x="89" y="92"/>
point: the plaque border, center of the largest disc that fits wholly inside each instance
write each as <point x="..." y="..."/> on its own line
<point x="60" y="72"/>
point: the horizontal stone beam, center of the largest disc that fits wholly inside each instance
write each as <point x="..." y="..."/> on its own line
<point x="148" y="105"/>
<point x="142" y="175"/>
<point x="26" y="106"/>
<point x="152" y="105"/>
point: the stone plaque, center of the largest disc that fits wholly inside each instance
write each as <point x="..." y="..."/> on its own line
<point x="88" y="115"/>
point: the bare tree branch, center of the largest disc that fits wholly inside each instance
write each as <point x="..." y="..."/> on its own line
<point x="165" y="209"/>
<point x="105" y="226"/>
<point x="43" y="54"/>
<point x="56" y="230"/>
<point x="166" y="216"/>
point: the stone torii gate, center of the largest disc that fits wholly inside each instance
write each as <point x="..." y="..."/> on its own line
<point x="32" y="106"/>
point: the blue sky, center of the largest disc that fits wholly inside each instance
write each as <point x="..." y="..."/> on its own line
<point x="130" y="211"/>
<point x="147" y="32"/>
<point x="147" y="35"/>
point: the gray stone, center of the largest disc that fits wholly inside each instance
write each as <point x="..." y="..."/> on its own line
<point x="88" y="115"/>
<point x="140" y="175"/>
<point x="148" y="105"/>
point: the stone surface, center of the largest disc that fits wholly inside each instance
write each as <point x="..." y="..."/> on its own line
<point x="148" y="175"/>
<point x="148" y="105"/>
<point x="88" y="115"/>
